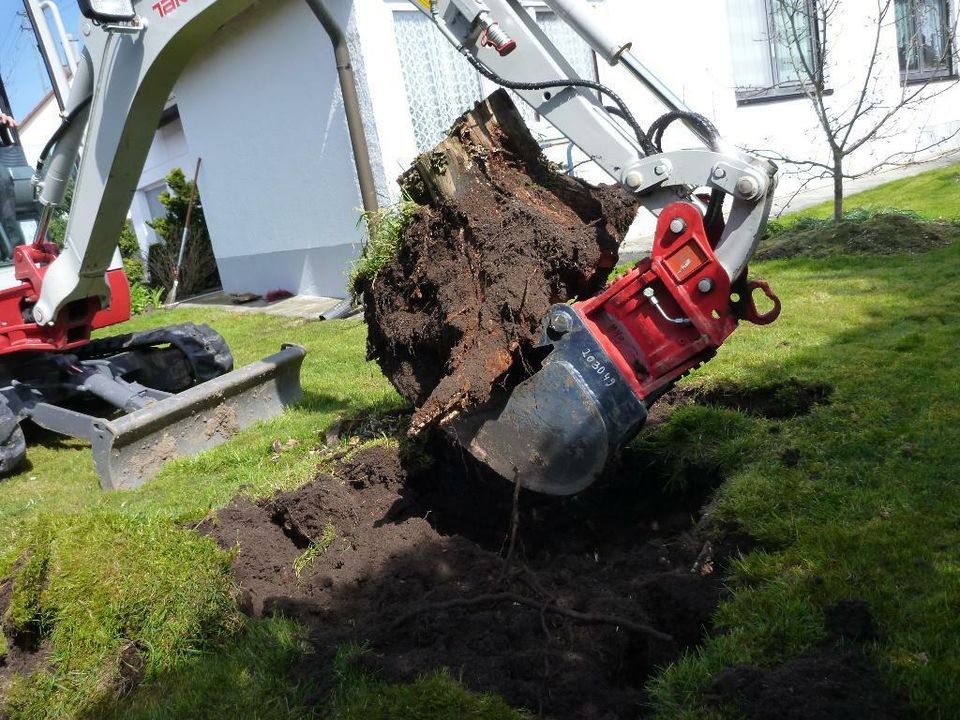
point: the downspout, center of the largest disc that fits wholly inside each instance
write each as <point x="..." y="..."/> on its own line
<point x="351" y="104"/>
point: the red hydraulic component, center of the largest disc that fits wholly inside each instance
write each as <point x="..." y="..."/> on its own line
<point x="494" y="36"/>
<point x="18" y="331"/>
<point x="674" y="310"/>
<point x="609" y="358"/>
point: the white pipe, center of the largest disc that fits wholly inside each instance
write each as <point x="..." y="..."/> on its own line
<point x="65" y="39"/>
<point x="582" y="17"/>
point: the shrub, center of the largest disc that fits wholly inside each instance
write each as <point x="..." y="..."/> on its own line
<point x="199" y="270"/>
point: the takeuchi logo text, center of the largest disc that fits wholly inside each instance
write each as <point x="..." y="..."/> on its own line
<point x="165" y="7"/>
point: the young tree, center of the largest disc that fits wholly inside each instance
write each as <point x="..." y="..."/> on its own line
<point x="199" y="270"/>
<point x="868" y="111"/>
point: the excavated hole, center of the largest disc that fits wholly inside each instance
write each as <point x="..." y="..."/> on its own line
<point x="417" y="549"/>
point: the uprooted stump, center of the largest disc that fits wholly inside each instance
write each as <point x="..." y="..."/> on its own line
<point x="499" y="235"/>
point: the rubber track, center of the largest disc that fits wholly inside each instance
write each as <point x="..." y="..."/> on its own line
<point x="204" y="348"/>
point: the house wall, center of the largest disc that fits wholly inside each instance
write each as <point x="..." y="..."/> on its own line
<point x="169" y="150"/>
<point x="262" y="105"/>
<point x="700" y="69"/>
<point x="38" y="127"/>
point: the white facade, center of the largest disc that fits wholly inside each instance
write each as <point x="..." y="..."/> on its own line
<point x="261" y="104"/>
<point x="38" y="126"/>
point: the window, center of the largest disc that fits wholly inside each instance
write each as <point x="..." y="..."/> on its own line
<point x="924" y="40"/>
<point x="773" y="43"/>
<point x="441" y="85"/>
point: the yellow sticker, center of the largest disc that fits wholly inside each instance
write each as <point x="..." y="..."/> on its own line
<point x="425" y="4"/>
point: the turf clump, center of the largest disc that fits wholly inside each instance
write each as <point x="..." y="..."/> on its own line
<point x="886" y="232"/>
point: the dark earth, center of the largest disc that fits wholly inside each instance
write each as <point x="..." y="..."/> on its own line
<point x="499" y="236"/>
<point x="598" y="590"/>
<point x="565" y="607"/>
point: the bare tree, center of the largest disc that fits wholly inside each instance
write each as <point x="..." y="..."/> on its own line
<point x="858" y="121"/>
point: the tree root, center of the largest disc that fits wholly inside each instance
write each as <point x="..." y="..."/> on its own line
<point x="492" y="598"/>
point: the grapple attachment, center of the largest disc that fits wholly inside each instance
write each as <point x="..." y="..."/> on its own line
<point x="556" y="431"/>
<point x="610" y="358"/>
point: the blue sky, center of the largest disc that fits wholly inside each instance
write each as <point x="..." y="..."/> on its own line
<point x="20" y="66"/>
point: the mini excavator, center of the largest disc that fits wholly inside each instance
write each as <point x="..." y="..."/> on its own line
<point x="606" y="359"/>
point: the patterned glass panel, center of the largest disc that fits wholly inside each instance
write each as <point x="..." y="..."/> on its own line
<point x="440" y="83"/>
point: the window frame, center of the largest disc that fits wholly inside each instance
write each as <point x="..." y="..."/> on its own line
<point x="915" y="77"/>
<point x="782" y="89"/>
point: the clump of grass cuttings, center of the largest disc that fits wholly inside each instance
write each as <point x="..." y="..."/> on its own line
<point x="864" y="231"/>
<point x="384" y="230"/>
<point x="315" y="550"/>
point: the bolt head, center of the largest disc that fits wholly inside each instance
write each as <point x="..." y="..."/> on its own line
<point x="705" y="285"/>
<point x="677" y="226"/>
<point x="660" y="169"/>
<point x="747" y="186"/>
<point x="634" y="179"/>
<point x="560" y="323"/>
<point x="648" y="292"/>
<point x="719" y="173"/>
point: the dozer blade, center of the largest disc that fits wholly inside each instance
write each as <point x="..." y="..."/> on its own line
<point x="130" y="450"/>
<point x="556" y="431"/>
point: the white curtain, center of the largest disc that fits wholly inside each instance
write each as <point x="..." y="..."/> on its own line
<point x="440" y="83"/>
<point x="750" y="43"/>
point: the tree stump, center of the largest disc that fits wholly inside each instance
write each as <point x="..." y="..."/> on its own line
<point x="499" y="236"/>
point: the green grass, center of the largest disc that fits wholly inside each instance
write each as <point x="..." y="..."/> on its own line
<point x="98" y="571"/>
<point x="871" y="510"/>
<point x="315" y="550"/>
<point x="384" y="228"/>
<point x="933" y="195"/>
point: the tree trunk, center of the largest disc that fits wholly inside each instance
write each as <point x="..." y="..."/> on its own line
<point x="837" y="187"/>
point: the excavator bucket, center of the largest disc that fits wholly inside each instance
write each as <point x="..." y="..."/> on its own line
<point x="556" y="431"/>
<point x="130" y="450"/>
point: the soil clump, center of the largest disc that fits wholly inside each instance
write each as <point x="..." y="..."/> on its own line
<point x="25" y="651"/>
<point x="499" y="235"/>
<point x="822" y="684"/>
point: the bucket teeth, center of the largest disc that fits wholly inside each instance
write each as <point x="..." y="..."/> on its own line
<point x="130" y="450"/>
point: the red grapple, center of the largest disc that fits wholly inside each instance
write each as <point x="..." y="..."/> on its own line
<point x="610" y="358"/>
<point x="674" y="310"/>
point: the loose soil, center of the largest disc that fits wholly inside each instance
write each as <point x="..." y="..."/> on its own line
<point x="775" y="401"/>
<point x="26" y="652"/>
<point x="565" y="606"/>
<point x="597" y="592"/>
<point x="882" y="234"/>
<point x="499" y="236"/>
<point x="823" y="684"/>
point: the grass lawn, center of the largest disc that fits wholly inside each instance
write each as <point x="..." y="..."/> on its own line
<point x="933" y="194"/>
<point x="871" y="511"/>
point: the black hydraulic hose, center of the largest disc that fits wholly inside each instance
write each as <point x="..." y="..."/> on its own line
<point x="624" y="111"/>
<point x="58" y="134"/>
<point x="708" y="131"/>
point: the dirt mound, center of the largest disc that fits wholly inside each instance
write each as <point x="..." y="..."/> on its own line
<point x="860" y="234"/>
<point x="598" y="590"/>
<point x="500" y="236"/>
<point x="824" y="684"/>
